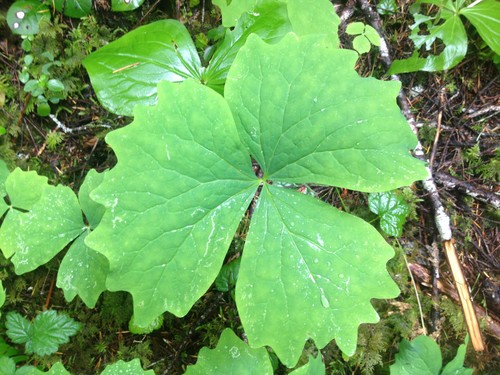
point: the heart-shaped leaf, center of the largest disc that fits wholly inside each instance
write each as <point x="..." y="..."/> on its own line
<point x="231" y="356"/>
<point x="174" y="200"/>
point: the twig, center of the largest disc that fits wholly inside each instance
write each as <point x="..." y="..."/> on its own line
<point x="441" y="218"/>
<point x="65" y="129"/>
<point x="449" y="182"/>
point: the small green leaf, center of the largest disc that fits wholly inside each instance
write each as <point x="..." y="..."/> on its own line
<point x="485" y="16"/>
<point x="74" y="8"/>
<point x="392" y="210"/>
<point x="231" y="356"/>
<point x="125" y="5"/>
<point x="309" y="271"/>
<point x="372" y="35"/>
<point x="315" y="366"/>
<point x="385" y="7"/>
<point x="44" y="335"/>
<point x="173" y="201"/>
<point x="55" y="85"/>
<point x="24" y="16"/>
<point x="361" y="44"/>
<point x="43" y="109"/>
<point x="456" y="365"/>
<point x="355" y="28"/>
<point x="228" y="275"/>
<point x="120" y="368"/>
<point x="43" y="220"/>
<point x="420" y="356"/>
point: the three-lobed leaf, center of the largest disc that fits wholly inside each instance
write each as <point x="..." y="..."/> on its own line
<point x="44" y="335"/>
<point x="392" y="210"/>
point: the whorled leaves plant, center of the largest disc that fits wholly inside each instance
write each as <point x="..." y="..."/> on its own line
<point x="184" y="179"/>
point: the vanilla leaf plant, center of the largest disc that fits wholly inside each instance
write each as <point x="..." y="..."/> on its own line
<point x="184" y="179"/>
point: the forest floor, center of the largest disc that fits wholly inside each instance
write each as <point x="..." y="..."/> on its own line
<point x="457" y="116"/>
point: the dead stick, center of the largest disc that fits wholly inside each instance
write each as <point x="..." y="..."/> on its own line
<point x="441" y="217"/>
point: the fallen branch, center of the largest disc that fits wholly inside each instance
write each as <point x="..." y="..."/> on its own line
<point x="449" y="182"/>
<point x="440" y="216"/>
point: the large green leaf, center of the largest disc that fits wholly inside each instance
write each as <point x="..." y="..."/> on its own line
<point x="308" y="117"/>
<point x="126" y="71"/>
<point x="43" y="219"/>
<point x="44" y="335"/>
<point x="309" y="271"/>
<point x="174" y="200"/>
<point x="231" y="356"/>
<point x="485" y="16"/>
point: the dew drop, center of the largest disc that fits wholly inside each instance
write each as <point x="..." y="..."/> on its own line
<point x="16" y="25"/>
<point x="324" y="301"/>
<point x="316" y="260"/>
<point x="20" y="15"/>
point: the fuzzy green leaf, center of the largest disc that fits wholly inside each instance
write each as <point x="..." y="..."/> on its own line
<point x="43" y="220"/>
<point x="181" y="185"/>
<point x="44" y="335"/>
<point x="315" y="366"/>
<point x="309" y="271"/>
<point x="126" y="71"/>
<point x="392" y="210"/>
<point x="231" y="356"/>
<point x="485" y="16"/>
<point x="126" y="368"/>
<point x="313" y="119"/>
<point x="74" y="8"/>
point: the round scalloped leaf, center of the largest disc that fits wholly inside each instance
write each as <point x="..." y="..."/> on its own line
<point x="392" y="210"/>
<point x="313" y="119"/>
<point x="23" y="16"/>
<point x="123" y="368"/>
<point x="309" y="271"/>
<point x="231" y="356"/>
<point x="74" y="8"/>
<point x="232" y="10"/>
<point x="125" y="5"/>
<point x="42" y="221"/>
<point x="174" y="200"/>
